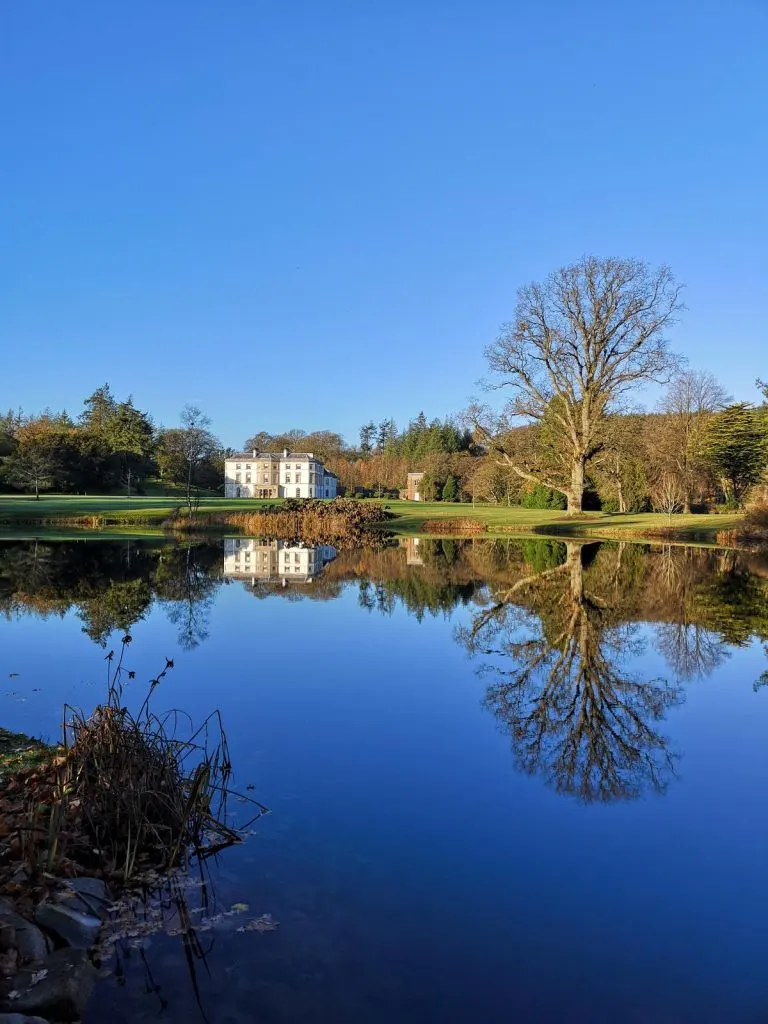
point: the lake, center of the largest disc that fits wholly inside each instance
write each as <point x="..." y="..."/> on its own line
<point x="509" y="780"/>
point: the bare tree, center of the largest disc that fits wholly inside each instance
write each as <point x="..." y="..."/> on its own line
<point x="668" y="497"/>
<point x="692" y="398"/>
<point x="197" y="444"/>
<point x="582" y="340"/>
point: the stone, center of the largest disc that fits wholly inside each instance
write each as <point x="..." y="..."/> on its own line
<point x="58" y="994"/>
<point x="19" y="1018"/>
<point x="7" y="936"/>
<point x="28" y="939"/>
<point x="91" y="896"/>
<point x="73" y="927"/>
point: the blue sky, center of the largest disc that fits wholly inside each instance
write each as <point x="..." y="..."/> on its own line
<point x="308" y="214"/>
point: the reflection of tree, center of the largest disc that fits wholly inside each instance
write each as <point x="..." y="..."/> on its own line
<point x="187" y="581"/>
<point x="690" y="650"/>
<point x="574" y="713"/>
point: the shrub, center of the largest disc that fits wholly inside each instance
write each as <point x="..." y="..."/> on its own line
<point x="540" y="496"/>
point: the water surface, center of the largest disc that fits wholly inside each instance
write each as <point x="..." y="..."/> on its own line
<point x="509" y="780"/>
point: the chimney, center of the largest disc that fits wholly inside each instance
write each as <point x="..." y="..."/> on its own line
<point x="285" y="453"/>
<point x="255" y="452"/>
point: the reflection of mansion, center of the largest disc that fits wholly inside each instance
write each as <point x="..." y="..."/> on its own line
<point x="262" y="560"/>
<point x="268" y="475"/>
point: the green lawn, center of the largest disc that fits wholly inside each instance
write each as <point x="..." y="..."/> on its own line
<point x="412" y="517"/>
<point x="22" y="508"/>
<point x="415" y="516"/>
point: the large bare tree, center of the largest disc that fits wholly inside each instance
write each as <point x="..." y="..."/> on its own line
<point x="579" y="342"/>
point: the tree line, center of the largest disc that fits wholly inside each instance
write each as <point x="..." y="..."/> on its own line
<point x="111" y="446"/>
<point x="567" y="434"/>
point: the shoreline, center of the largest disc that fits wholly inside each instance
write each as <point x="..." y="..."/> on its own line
<point x="147" y="518"/>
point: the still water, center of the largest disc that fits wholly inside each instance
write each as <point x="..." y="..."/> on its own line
<point x="508" y="781"/>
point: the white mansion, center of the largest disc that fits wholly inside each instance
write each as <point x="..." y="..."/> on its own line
<point x="268" y="475"/>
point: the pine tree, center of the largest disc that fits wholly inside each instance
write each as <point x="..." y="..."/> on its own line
<point x="450" y="489"/>
<point x="367" y="437"/>
<point x="735" y="446"/>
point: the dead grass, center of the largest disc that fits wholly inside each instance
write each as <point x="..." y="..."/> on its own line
<point x="128" y="793"/>
<point x="312" y="521"/>
<point x="454" y="526"/>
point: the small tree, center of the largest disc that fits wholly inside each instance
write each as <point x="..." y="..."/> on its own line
<point x="33" y="466"/>
<point x="450" y="489"/>
<point x="669" y="496"/>
<point x="197" y="444"/>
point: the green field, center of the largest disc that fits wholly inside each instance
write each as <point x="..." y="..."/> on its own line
<point x="20" y="509"/>
<point x="412" y="517"/>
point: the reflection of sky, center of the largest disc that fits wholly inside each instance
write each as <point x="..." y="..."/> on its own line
<point x="415" y="874"/>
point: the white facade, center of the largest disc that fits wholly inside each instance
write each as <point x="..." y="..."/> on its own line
<point x="258" y="560"/>
<point x="266" y="475"/>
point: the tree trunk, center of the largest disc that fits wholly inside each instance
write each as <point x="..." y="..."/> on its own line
<point x="576" y="490"/>
<point x="37" y="490"/>
<point x="622" y="503"/>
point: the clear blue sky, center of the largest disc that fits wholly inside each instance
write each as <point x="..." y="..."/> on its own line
<point x="307" y="214"/>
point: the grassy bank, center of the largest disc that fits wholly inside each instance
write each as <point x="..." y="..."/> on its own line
<point x="99" y="511"/>
<point x="75" y="511"/>
<point x="423" y="517"/>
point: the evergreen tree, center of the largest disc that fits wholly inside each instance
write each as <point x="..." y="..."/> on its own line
<point x="99" y="407"/>
<point x="735" y="446"/>
<point x="367" y="437"/>
<point x="129" y="435"/>
<point x="450" y="489"/>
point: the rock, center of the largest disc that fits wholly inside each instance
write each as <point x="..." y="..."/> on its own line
<point x="91" y="897"/>
<point x="75" y="928"/>
<point x="58" y="991"/>
<point x="28" y="940"/>
<point x="18" y="1018"/>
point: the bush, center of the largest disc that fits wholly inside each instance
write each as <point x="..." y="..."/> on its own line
<point x="543" y="497"/>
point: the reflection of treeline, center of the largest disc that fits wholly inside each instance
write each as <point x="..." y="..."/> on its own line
<point x="715" y="590"/>
<point x="111" y="585"/>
